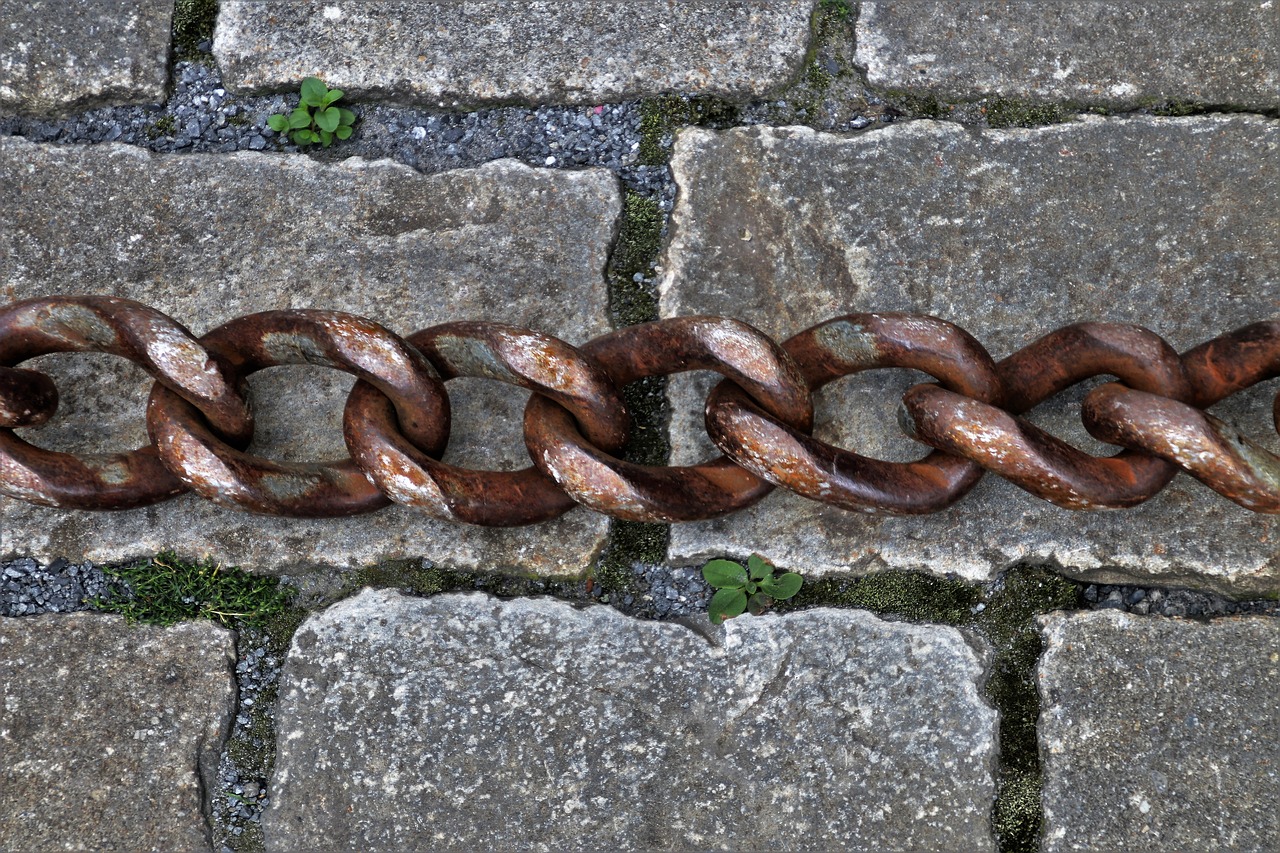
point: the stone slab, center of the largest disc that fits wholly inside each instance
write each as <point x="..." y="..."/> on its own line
<point x="1159" y="734"/>
<point x="488" y="51"/>
<point x="57" y="57"/>
<point x="110" y="733"/>
<point x="208" y="238"/>
<point x="1114" y="53"/>
<point x="462" y="722"/>
<point x="1167" y="223"/>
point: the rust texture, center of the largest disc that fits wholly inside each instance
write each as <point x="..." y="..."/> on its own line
<point x="542" y="364"/>
<point x="120" y="327"/>
<point x="1029" y="457"/>
<point x="219" y="469"/>
<point x="790" y="457"/>
<point x="634" y="492"/>
<point x="397" y="418"/>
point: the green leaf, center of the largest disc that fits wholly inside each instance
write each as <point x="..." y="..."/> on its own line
<point x="347" y="116"/>
<point x="326" y="137"/>
<point x="332" y="95"/>
<point x="278" y="123"/>
<point x="327" y="120"/>
<point x="759" y="568"/>
<point x="302" y="137"/>
<point x="785" y="586"/>
<point x="300" y="117"/>
<point x="724" y="574"/>
<point x="759" y="603"/>
<point x="313" y="92"/>
<point x="342" y="132"/>
<point x="726" y="604"/>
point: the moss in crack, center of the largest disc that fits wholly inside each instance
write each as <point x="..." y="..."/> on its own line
<point x="630" y="302"/>
<point x="1008" y="620"/>
<point x="634" y="253"/>
<point x="907" y="595"/>
<point x="1007" y="112"/>
<point x="1177" y="108"/>
<point x="630" y="542"/>
<point x="660" y="118"/>
<point x="193" y="22"/>
<point x="251" y="748"/>
<point x="911" y="104"/>
<point x="166" y="589"/>
<point x="163" y="126"/>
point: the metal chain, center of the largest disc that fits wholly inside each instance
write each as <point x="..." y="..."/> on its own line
<point x="397" y="417"/>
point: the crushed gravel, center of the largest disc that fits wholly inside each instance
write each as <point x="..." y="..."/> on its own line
<point x="201" y="116"/>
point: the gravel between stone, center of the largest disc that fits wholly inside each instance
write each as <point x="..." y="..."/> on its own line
<point x="202" y="116"/>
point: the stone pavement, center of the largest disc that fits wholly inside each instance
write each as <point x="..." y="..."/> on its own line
<point x="1020" y="167"/>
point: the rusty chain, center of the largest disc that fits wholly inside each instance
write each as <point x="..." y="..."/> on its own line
<point x="397" y="417"/>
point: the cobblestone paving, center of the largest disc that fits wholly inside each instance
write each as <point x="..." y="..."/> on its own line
<point x="1013" y="167"/>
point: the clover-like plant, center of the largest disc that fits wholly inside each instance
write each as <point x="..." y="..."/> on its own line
<point x="751" y="588"/>
<point x="316" y="119"/>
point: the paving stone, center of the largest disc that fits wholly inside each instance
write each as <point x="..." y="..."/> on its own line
<point x="1159" y="734"/>
<point x="208" y="238"/>
<point x="584" y="51"/>
<point x="464" y="722"/>
<point x="56" y="57"/>
<point x="110" y="733"/>
<point x="1115" y="53"/>
<point x="1167" y="223"/>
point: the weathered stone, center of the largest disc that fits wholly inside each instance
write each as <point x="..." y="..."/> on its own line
<point x="208" y="238"/>
<point x="56" y="57"/>
<point x="463" y="722"/>
<point x="1115" y="53"/>
<point x="553" y="51"/>
<point x="1159" y="734"/>
<point x="110" y="733"/>
<point x="1167" y="223"/>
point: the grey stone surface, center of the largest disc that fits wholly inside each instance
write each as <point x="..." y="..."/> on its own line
<point x="57" y="56"/>
<point x="463" y="722"/>
<point x="1116" y="53"/>
<point x="1167" y="223"/>
<point x="207" y="238"/>
<point x="1159" y="734"/>
<point x="110" y="733"/>
<point x="486" y="51"/>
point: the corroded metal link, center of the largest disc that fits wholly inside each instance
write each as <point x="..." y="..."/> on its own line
<point x="396" y="424"/>
<point x="1213" y="452"/>
<point x="540" y="363"/>
<point x="150" y="339"/>
<point x="634" y="492"/>
<point x="1028" y="456"/>
<point x="1205" y="447"/>
<point x="790" y="458"/>
<point x="226" y="475"/>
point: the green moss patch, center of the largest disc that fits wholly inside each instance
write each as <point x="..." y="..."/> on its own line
<point x="164" y="590"/>
<point x="634" y="254"/>
<point x="661" y="117"/>
<point x="1005" y="112"/>
<point x="193" y="22"/>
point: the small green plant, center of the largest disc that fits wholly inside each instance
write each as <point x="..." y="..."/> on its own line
<point x="316" y="119"/>
<point x="751" y="588"/>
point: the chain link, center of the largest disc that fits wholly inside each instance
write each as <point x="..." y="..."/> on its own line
<point x="397" y="418"/>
